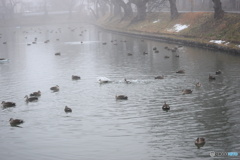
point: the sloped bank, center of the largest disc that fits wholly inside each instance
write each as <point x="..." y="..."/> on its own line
<point x="192" y="29"/>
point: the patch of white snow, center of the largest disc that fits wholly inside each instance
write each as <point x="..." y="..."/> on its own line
<point x="217" y="41"/>
<point x="156" y="21"/>
<point x="178" y="28"/>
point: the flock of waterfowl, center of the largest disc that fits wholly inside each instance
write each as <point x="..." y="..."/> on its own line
<point x="166" y="107"/>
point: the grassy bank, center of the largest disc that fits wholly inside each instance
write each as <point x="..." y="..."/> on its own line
<point x="198" y="29"/>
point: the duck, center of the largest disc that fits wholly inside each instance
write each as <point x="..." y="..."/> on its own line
<point x="166" y="106"/>
<point x="130" y="54"/>
<point x="8" y="104"/>
<point x="31" y="99"/>
<point x="55" y="88"/>
<point x="58" y="54"/>
<point x="156" y="51"/>
<point x="187" y="91"/>
<point x="104" y="81"/>
<point x="199" y="142"/>
<point x="145" y="53"/>
<point x="159" y="77"/>
<point x="126" y="81"/>
<point x="74" y="77"/>
<point x="67" y="109"/>
<point x="198" y="84"/>
<point x="121" y="97"/>
<point x="174" y="50"/>
<point x="154" y="48"/>
<point x="218" y="72"/>
<point x="15" y="122"/>
<point x="210" y="77"/>
<point x="3" y="60"/>
<point x="35" y="94"/>
<point x="166" y="57"/>
<point x="46" y="41"/>
<point x="104" y="43"/>
<point x="181" y="71"/>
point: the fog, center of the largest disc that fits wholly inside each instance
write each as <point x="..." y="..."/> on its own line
<point x="96" y="8"/>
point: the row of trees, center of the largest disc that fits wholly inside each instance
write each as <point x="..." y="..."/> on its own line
<point x="126" y="7"/>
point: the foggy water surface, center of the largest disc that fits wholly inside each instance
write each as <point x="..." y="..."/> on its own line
<point x="99" y="126"/>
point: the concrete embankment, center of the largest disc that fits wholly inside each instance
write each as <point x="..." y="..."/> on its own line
<point x="192" y="29"/>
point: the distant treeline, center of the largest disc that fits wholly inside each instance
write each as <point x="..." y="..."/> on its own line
<point x="207" y="5"/>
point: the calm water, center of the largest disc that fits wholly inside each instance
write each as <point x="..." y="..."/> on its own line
<point x="100" y="127"/>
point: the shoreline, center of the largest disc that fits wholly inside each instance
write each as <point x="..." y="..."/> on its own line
<point x="175" y="40"/>
<point x="200" y="32"/>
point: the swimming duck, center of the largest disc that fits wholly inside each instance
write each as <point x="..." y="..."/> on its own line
<point x="165" y="106"/>
<point x="174" y="50"/>
<point x="166" y="47"/>
<point x="55" y="88"/>
<point x="156" y="51"/>
<point x="104" y="43"/>
<point x="3" y="60"/>
<point x="104" y="81"/>
<point x="126" y="81"/>
<point x="187" y="91"/>
<point x="145" y="53"/>
<point x="8" y="104"/>
<point x="218" y="72"/>
<point x="121" y="97"/>
<point x="35" y="94"/>
<point x="58" y="54"/>
<point x="181" y="71"/>
<point x="166" y="57"/>
<point x="67" y="109"/>
<point x="154" y="48"/>
<point x="130" y="54"/>
<point x="199" y="142"/>
<point x="31" y="99"/>
<point x="210" y="77"/>
<point x="74" y="77"/>
<point x="198" y="84"/>
<point x="15" y="122"/>
<point x="159" y="77"/>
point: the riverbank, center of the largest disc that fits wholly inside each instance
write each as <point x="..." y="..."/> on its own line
<point x="192" y="29"/>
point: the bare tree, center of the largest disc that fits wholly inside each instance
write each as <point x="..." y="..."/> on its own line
<point x="141" y="9"/>
<point x="127" y="9"/>
<point x="9" y="5"/>
<point x="157" y="5"/>
<point x="218" y="11"/>
<point x="173" y="9"/>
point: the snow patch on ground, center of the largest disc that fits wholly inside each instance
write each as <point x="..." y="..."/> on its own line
<point x="217" y="41"/>
<point x="220" y="42"/>
<point x="156" y="21"/>
<point x="238" y="46"/>
<point x="226" y="43"/>
<point x="178" y="28"/>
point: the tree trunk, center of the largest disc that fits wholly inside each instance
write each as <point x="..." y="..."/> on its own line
<point x="218" y="11"/>
<point x="141" y="9"/>
<point x="173" y="9"/>
<point x="116" y="8"/>
<point x="126" y="8"/>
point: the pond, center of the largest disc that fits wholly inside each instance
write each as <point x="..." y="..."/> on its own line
<point x="101" y="127"/>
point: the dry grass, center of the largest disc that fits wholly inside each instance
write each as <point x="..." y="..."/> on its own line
<point x="202" y="26"/>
